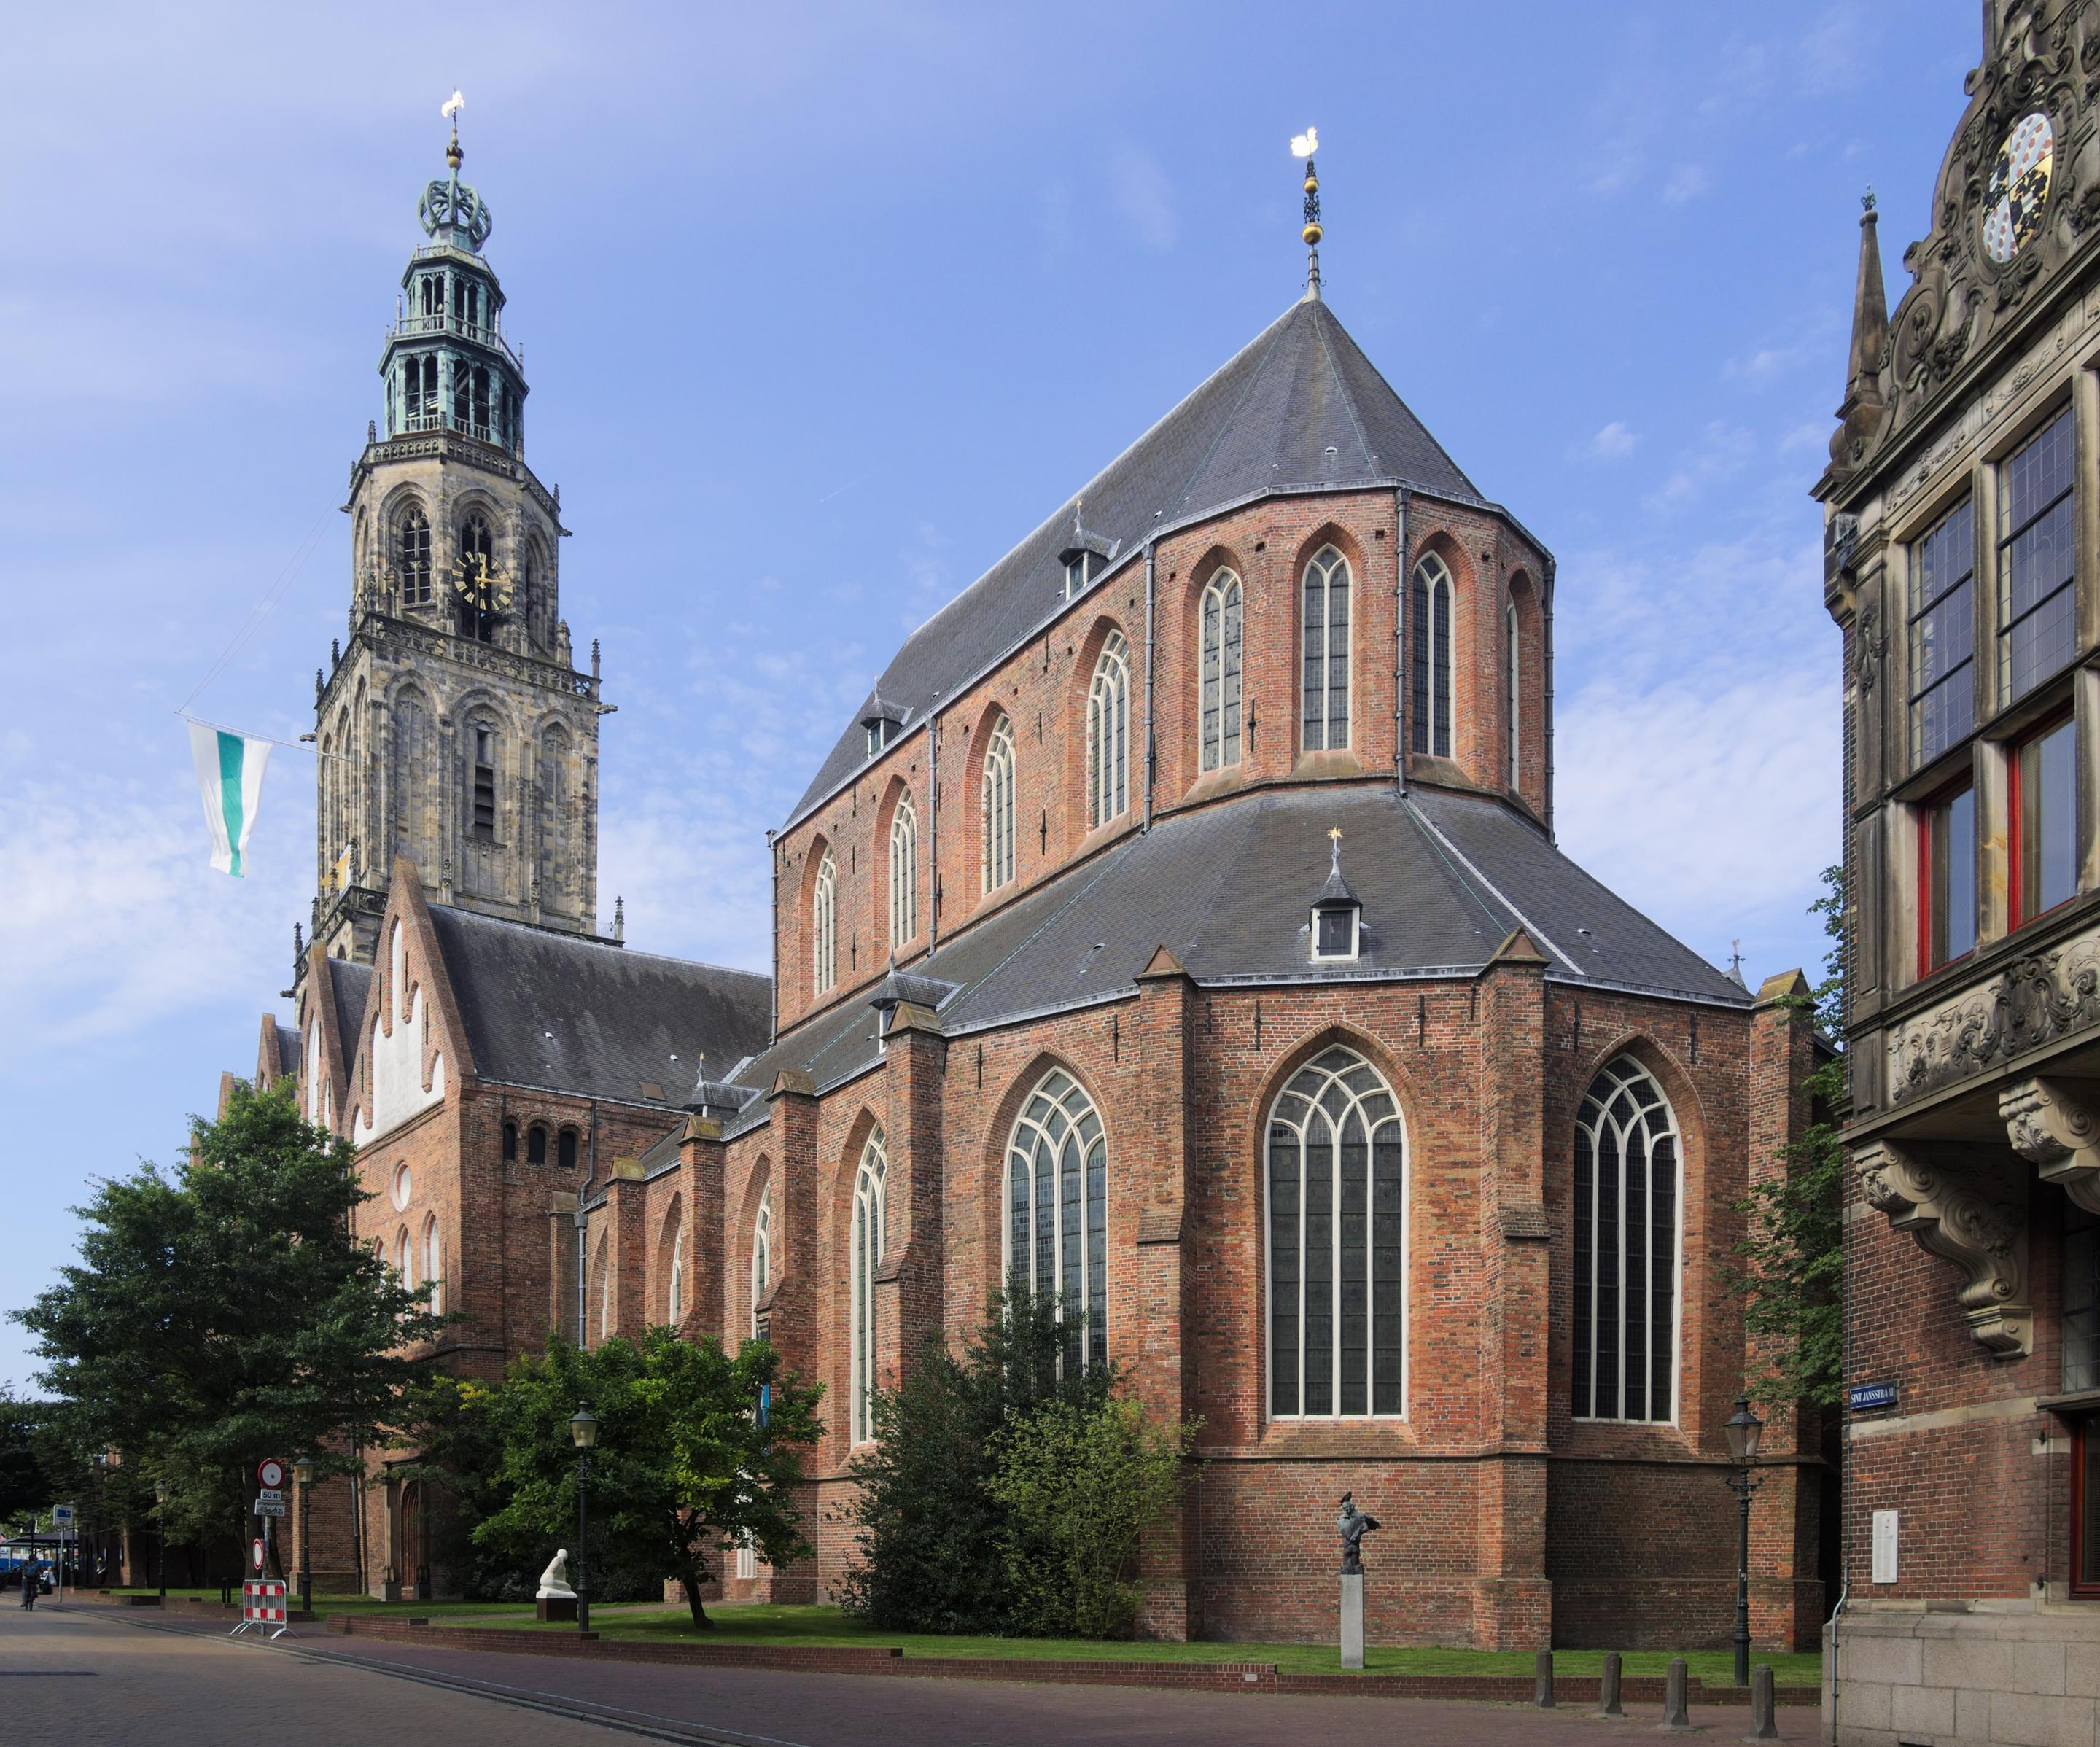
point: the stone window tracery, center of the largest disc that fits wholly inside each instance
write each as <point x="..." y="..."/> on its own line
<point x="823" y="924"/>
<point x="1335" y="1188"/>
<point x="1513" y="681"/>
<point x="1326" y="688"/>
<point x="1431" y="606"/>
<point x="1108" y="733"/>
<point x="411" y="556"/>
<point x="864" y="1261"/>
<point x="1218" y="686"/>
<point x="1627" y="1239"/>
<point x="903" y="873"/>
<point x="1057" y="1211"/>
<point x="677" y="1295"/>
<point x="433" y="1274"/>
<point x="999" y="807"/>
<point x="761" y="1260"/>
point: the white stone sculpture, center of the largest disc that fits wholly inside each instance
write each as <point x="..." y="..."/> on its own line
<point x="554" y="1580"/>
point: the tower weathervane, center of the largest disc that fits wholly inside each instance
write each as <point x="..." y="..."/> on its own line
<point x="1304" y="145"/>
<point x="450" y="111"/>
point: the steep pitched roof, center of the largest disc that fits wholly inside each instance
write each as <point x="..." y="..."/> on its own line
<point x="1299" y="406"/>
<point x="542" y="1009"/>
<point x="1444" y="879"/>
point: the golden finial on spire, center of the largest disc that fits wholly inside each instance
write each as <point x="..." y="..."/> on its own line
<point x="1304" y="145"/>
<point x="450" y="111"/>
<point x="1334" y="832"/>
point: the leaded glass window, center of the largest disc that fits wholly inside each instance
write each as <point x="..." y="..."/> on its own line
<point x="998" y="806"/>
<point x="1628" y="1177"/>
<point x="1108" y="733"/>
<point x="1058" y="1211"/>
<point x="1430" y="610"/>
<point x="1219" y="699"/>
<point x="1336" y="1186"/>
<point x="1326" y="715"/>
<point x="903" y="873"/>
<point x="1942" y="634"/>
<point x="412" y="557"/>
<point x="865" y="1262"/>
<point x="1512" y="684"/>
<point x="762" y="1256"/>
<point x="2035" y="634"/>
<point x="824" y="925"/>
<point x="677" y="1278"/>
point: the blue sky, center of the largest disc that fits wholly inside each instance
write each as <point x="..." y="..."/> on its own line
<point x="824" y="308"/>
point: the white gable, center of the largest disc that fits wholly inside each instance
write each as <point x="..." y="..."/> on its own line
<point x="396" y="1061"/>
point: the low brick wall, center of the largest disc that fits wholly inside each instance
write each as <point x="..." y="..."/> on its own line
<point x="2026" y="1679"/>
<point x="852" y="1659"/>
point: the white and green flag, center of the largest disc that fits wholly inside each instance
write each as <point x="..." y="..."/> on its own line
<point x="229" y="770"/>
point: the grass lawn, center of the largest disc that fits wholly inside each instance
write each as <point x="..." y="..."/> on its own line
<point x="828" y="1626"/>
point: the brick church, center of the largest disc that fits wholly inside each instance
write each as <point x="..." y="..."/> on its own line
<point x="1179" y="927"/>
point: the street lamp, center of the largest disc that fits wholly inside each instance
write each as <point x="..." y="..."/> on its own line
<point x="1745" y="1431"/>
<point x="583" y="1427"/>
<point x="161" y="1535"/>
<point x="304" y="1471"/>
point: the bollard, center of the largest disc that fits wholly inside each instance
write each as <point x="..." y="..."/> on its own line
<point x="1607" y="1687"/>
<point x="1764" y="1723"/>
<point x="1676" y="1697"/>
<point x="1542" y="1686"/>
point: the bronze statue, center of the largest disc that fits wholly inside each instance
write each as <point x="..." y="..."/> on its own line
<point x="1354" y="1524"/>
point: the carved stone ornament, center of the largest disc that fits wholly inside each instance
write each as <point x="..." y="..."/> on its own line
<point x="2035" y="1000"/>
<point x="1951" y="1213"/>
<point x="2054" y="1129"/>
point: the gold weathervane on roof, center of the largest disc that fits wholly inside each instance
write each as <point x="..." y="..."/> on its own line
<point x="1304" y="145"/>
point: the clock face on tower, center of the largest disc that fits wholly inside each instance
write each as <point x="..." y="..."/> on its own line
<point x="480" y="587"/>
<point x="2018" y="187"/>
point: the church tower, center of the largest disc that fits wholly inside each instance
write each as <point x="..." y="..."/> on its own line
<point x="453" y="728"/>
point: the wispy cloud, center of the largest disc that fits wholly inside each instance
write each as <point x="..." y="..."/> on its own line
<point x="1722" y="451"/>
<point x="1688" y="181"/>
<point x="1146" y="200"/>
<point x="1615" y="442"/>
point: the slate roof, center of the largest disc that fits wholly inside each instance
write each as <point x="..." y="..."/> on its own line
<point x="1443" y="879"/>
<point x="352" y="983"/>
<point x="579" y="1016"/>
<point x="1301" y="406"/>
<point x="287" y="1047"/>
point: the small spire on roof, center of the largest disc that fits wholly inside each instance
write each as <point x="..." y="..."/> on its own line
<point x="620" y="919"/>
<point x="1304" y="145"/>
<point x="1735" y="966"/>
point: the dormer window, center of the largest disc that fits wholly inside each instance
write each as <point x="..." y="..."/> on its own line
<point x="884" y="724"/>
<point x="880" y="729"/>
<point x="1337" y="923"/>
<point x="1079" y="572"/>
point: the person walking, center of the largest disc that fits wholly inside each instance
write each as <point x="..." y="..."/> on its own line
<point x="32" y="1581"/>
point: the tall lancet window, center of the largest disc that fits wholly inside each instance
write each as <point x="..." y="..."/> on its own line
<point x="433" y="1272"/>
<point x="1326" y="717"/>
<point x="1058" y="1211"/>
<point x="1432" y="614"/>
<point x="1627" y="1175"/>
<point x="412" y="557"/>
<point x="1108" y="733"/>
<point x="1512" y="660"/>
<point x="1336" y="1185"/>
<point x="761" y="1261"/>
<point x="824" y="925"/>
<point x="998" y="806"/>
<point x="864" y="1262"/>
<point x="903" y="873"/>
<point x="1220" y="701"/>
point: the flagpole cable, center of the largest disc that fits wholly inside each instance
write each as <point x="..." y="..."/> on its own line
<point x="306" y="746"/>
<point x="303" y="551"/>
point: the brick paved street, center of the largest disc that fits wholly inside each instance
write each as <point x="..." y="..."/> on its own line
<point x="91" y="1676"/>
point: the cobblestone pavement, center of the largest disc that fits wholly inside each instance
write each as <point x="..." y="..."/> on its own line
<point x="92" y="1676"/>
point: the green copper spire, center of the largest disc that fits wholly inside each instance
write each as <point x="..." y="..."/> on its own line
<point x="451" y="212"/>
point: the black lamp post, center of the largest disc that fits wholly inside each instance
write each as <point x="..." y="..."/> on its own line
<point x="583" y="1427"/>
<point x="1745" y="1431"/>
<point x="302" y="1470"/>
<point x="161" y="1535"/>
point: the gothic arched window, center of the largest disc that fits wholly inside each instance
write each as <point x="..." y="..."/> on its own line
<point x="510" y="1143"/>
<point x="1626" y="1247"/>
<point x="677" y="1296"/>
<point x="1431" y="607"/>
<point x="553" y="860"/>
<point x="566" y="1150"/>
<point x="433" y="1274"/>
<point x="998" y="806"/>
<point x="903" y="873"/>
<point x="1511" y="676"/>
<point x="477" y="389"/>
<point x="824" y="925"/>
<point x="481" y="781"/>
<point x="1057" y="1210"/>
<point x="864" y="1262"/>
<point x="1108" y="733"/>
<point x="605" y="1288"/>
<point x="1219" y="688"/>
<point x="411" y="556"/>
<point x="410" y="782"/>
<point x="1336" y="1186"/>
<point x="536" y="1145"/>
<point x="761" y="1258"/>
<point x="1325" y="716"/>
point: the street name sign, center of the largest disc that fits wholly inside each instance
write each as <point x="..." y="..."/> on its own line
<point x="272" y="1507"/>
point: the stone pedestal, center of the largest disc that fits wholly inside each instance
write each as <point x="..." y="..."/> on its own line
<point x="1353" y="1620"/>
<point x="556" y="1608"/>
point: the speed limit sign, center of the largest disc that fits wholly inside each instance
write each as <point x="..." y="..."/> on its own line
<point x="270" y="1474"/>
<point x="256" y="1552"/>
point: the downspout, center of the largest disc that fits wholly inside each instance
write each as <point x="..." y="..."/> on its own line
<point x="1401" y="499"/>
<point x="1545" y="633"/>
<point x="934" y="832"/>
<point x="1150" y="752"/>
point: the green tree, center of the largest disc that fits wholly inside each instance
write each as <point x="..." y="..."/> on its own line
<point x="1080" y="1488"/>
<point x="1788" y="1270"/>
<point x="225" y="1313"/>
<point x="929" y="1532"/>
<point x="684" y="1466"/>
<point x="26" y="1485"/>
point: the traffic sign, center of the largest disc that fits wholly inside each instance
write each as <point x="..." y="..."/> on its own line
<point x="269" y="1473"/>
<point x="62" y="1516"/>
<point x="272" y="1507"/>
<point x="257" y="1551"/>
<point x="269" y="1492"/>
